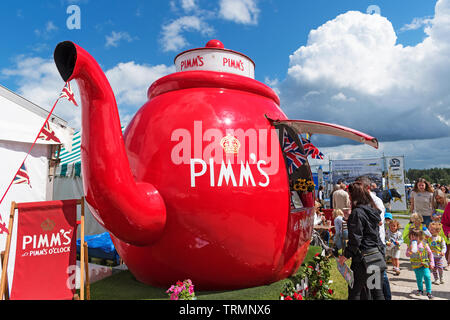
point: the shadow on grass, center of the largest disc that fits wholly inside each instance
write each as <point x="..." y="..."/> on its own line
<point x="124" y="286"/>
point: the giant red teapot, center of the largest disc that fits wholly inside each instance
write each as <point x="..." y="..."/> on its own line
<point x="201" y="183"/>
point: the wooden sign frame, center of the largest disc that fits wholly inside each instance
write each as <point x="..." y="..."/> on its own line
<point x="84" y="265"/>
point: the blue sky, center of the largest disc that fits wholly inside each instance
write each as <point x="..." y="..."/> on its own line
<point x="281" y="27"/>
<point x="136" y="41"/>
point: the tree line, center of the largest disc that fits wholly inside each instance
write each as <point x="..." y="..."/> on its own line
<point x="434" y="175"/>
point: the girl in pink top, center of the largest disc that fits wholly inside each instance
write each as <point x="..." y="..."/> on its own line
<point x="446" y="226"/>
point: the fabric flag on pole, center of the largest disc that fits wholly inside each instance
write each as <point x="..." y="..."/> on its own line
<point x="22" y="176"/>
<point x="68" y="94"/>
<point x="294" y="156"/>
<point x="311" y="150"/>
<point x="48" y="134"/>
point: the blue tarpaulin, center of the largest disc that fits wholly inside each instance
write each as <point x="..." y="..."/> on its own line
<point x="100" y="246"/>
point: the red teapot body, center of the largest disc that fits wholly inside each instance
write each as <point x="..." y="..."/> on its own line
<point x="199" y="185"/>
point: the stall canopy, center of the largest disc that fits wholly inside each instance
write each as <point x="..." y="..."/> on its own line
<point x="316" y="127"/>
<point x="70" y="160"/>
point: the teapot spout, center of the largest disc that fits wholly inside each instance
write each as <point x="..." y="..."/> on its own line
<point x="134" y="212"/>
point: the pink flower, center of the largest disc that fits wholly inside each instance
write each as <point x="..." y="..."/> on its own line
<point x="298" y="296"/>
<point x="174" y="297"/>
<point x="177" y="290"/>
<point x="170" y="289"/>
<point x="191" y="289"/>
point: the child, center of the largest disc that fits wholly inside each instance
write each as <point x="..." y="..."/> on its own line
<point x="438" y="247"/>
<point x="340" y="225"/>
<point x="387" y="219"/>
<point x="421" y="260"/>
<point x="437" y="216"/>
<point x="415" y="221"/>
<point x="393" y="241"/>
<point x="319" y="219"/>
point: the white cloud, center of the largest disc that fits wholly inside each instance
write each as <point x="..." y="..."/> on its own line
<point x="417" y="23"/>
<point x="188" y="5"/>
<point x="239" y="11"/>
<point x="195" y="19"/>
<point x="172" y="38"/>
<point x="341" y="97"/>
<point x="130" y="81"/>
<point x="47" y="31"/>
<point x="353" y="72"/>
<point x="273" y="83"/>
<point x="39" y="81"/>
<point x="50" y="26"/>
<point x="115" y="37"/>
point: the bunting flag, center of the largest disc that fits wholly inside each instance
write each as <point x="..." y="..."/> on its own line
<point x="45" y="133"/>
<point x="48" y="134"/>
<point x="311" y="150"/>
<point x="294" y="155"/>
<point x="68" y="94"/>
<point x="22" y="176"/>
<point x="3" y="228"/>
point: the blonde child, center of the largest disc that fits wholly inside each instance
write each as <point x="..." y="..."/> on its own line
<point x="421" y="259"/>
<point x="393" y="241"/>
<point x="340" y="227"/>
<point x="438" y="247"/>
<point x="416" y="222"/>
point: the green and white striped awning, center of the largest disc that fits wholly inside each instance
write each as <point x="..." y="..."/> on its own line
<point x="70" y="165"/>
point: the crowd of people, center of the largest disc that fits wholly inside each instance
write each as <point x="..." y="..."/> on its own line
<point x="368" y="235"/>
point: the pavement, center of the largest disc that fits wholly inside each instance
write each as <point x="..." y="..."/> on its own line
<point x="403" y="285"/>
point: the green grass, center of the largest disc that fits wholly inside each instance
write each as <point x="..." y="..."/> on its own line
<point x="405" y="212"/>
<point x="401" y="214"/>
<point x="123" y="286"/>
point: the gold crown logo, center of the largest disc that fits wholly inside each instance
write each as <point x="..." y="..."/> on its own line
<point x="230" y="144"/>
<point x="47" y="225"/>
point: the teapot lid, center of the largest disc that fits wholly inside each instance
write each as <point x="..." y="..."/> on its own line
<point x="214" y="57"/>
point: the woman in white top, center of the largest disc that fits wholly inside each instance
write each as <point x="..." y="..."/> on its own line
<point x="422" y="200"/>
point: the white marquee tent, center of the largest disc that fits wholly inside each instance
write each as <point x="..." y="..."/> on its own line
<point x="20" y="123"/>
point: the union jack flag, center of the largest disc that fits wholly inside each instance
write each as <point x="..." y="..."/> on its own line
<point x="48" y="134"/>
<point x="311" y="150"/>
<point x="294" y="156"/>
<point x="68" y="93"/>
<point x="22" y="176"/>
<point x="3" y="228"/>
